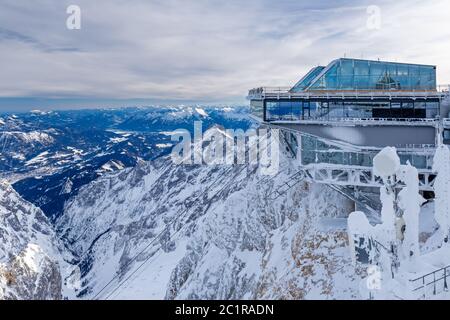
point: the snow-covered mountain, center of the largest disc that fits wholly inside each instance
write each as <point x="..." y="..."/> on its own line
<point x="32" y="259"/>
<point x="130" y="225"/>
<point x="41" y="151"/>
<point x="208" y="232"/>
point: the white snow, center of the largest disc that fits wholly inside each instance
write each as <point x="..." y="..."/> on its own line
<point x="163" y="145"/>
<point x="152" y="280"/>
<point x="386" y="163"/>
<point x="400" y="233"/>
<point x="28" y="240"/>
<point x="227" y="238"/>
<point x="31" y="137"/>
<point x="410" y="202"/>
<point x="441" y="164"/>
<point x="33" y="256"/>
<point x="118" y="139"/>
<point x="75" y="150"/>
<point x="201" y="112"/>
<point x="40" y="112"/>
<point x="112" y="165"/>
<point x="38" y="159"/>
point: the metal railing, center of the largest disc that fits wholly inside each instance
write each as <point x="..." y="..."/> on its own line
<point x="350" y="192"/>
<point x="265" y="90"/>
<point x="291" y="182"/>
<point x="436" y="280"/>
<point x="365" y="121"/>
<point x="443" y="88"/>
<point x="285" y="92"/>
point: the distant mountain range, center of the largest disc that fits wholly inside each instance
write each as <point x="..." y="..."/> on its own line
<point x="49" y="155"/>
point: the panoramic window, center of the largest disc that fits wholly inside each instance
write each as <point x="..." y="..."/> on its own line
<point x="350" y="74"/>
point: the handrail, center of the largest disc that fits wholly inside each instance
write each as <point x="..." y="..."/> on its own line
<point x="443" y="88"/>
<point x="403" y="121"/>
<point x="434" y="281"/>
<point x="286" y="91"/>
<point x="379" y="244"/>
<point x="425" y="275"/>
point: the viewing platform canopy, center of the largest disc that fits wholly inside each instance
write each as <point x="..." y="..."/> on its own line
<point x="354" y="89"/>
<point x="355" y="74"/>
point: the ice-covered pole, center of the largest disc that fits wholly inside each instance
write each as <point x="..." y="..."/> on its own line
<point x="385" y="165"/>
<point x="410" y="201"/>
<point x="441" y="165"/>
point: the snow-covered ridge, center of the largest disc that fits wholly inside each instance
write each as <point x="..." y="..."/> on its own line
<point x="210" y="233"/>
<point x="32" y="259"/>
<point x="30" y="137"/>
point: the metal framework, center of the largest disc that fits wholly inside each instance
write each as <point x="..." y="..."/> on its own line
<point x="372" y="206"/>
<point x="345" y="176"/>
<point x="358" y="176"/>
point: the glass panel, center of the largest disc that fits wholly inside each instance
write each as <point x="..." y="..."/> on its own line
<point x="402" y="70"/>
<point x="405" y="158"/>
<point x="256" y="108"/>
<point x="308" y="143"/>
<point x="272" y="111"/>
<point x="308" y="157"/>
<point x="362" y="68"/>
<point x="331" y="78"/>
<point x="314" y="150"/>
<point x="348" y="74"/>
<point x="447" y="134"/>
<point x="346" y="67"/>
<point x="285" y="110"/>
<point x="296" y="110"/>
<point x="420" y="162"/>
<point x="306" y="81"/>
<point x="432" y="109"/>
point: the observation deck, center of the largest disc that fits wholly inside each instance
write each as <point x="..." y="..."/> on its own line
<point x="337" y="117"/>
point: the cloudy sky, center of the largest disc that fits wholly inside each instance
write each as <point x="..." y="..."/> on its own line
<point x="173" y="51"/>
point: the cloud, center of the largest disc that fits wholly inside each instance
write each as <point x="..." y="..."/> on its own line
<point x="202" y="50"/>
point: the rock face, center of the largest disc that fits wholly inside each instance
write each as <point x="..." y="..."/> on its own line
<point x="32" y="275"/>
<point x="30" y="258"/>
<point x="161" y="230"/>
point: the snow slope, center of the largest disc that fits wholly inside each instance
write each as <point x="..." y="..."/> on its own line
<point x="32" y="259"/>
<point x="208" y="232"/>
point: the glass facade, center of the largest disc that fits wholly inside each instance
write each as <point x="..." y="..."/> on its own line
<point x="353" y="74"/>
<point x="447" y="136"/>
<point x="307" y="79"/>
<point x="302" y="110"/>
<point x="313" y="150"/>
<point x="257" y="108"/>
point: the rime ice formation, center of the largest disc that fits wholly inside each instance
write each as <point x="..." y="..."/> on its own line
<point x="441" y="164"/>
<point x="394" y="244"/>
<point x="386" y="163"/>
<point x="410" y="202"/>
